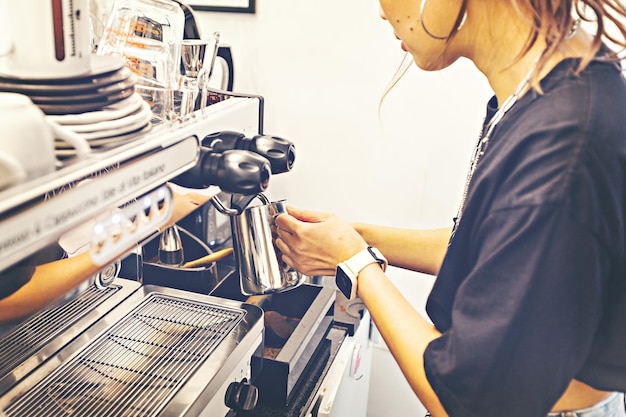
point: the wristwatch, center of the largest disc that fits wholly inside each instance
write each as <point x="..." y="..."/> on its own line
<point x="347" y="271"/>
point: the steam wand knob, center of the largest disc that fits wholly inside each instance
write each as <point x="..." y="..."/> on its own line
<point x="280" y="152"/>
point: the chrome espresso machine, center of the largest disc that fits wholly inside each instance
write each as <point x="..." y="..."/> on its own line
<point x="151" y="335"/>
<point x="166" y="328"/>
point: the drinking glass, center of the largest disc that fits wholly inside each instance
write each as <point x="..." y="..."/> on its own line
<point x="161" y="102"/>
<point x="148" y="34"/>
<point x="197" y="59"/>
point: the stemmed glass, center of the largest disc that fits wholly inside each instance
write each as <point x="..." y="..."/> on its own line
<point x="197" y="60"/>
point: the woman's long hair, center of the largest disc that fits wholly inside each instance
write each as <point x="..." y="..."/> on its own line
<point x="556" y="19"/>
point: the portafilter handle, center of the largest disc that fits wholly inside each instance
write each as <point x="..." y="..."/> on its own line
<point x="280" y="152"/>
<point x="234" y="171"/>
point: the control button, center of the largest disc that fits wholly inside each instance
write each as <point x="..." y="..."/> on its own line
<point x="241" y="396"/>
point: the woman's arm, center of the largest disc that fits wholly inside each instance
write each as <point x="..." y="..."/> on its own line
<point x="48" y="282"/>
<point x="417" y="250"/>
<point x="53" y="280"/>
<point x="405" y="331"/>
<point x="315" y="242"/>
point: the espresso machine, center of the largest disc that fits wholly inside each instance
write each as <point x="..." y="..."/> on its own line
<point x="166" y="339"/>
<point x="151" y="334"/>
<point x="122" y="346"/>
<point x="298" y="314"/>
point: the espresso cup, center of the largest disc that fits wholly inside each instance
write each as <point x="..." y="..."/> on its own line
<point x="44" y="39"/>
<point x="27" y="149"/>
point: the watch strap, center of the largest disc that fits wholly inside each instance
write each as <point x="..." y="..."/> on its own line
<point x="347" y="271"/>
<point x="365" y="257"/>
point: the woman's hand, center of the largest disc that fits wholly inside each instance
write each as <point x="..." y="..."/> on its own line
<point x="315" y="242"/>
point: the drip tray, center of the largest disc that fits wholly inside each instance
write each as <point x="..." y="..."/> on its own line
<point x="24" y="346"/>
<point x="149" y="356"/>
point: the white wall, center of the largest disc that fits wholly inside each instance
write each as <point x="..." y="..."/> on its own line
<point x="322" y="67"/>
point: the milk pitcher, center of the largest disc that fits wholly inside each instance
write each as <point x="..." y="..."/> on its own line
<point x="258" y="260"/>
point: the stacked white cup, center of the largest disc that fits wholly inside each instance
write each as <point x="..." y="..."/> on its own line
<point x="38" y="41"/>
<point x="43" y="40"/>
<point x="27" y="148"/>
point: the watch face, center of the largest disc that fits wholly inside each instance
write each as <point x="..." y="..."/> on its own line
<point x="345" y="284"/>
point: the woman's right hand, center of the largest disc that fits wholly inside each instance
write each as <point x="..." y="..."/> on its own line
<point x="315" y="242"/>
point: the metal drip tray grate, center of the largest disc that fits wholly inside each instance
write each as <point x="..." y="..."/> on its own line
<point x="137" y="365"/>
<point x="32" y="335"/>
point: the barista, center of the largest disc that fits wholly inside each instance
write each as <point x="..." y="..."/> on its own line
<point x="529" y="304"/>
<point x="43" y="278"/>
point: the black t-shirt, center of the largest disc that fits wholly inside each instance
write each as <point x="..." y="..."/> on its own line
<point x="532" y="291"/>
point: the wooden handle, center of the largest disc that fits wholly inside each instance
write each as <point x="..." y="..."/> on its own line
<point x="205" y="260"/>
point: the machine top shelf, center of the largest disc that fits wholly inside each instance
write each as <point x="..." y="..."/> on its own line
<point x="36" y="213"/>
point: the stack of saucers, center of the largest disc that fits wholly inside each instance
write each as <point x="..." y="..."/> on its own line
<point x="112" y="126"/>
<point x="100" y="105"/>
<point x="109" y="81"/>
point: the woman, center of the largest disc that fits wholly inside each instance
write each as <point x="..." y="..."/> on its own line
<point x="530" y="294"/>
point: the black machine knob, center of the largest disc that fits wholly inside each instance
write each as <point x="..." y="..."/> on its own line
<point x="241" y="396"/>
<point x="280" y="152"/>
<point x="234" y="171"/>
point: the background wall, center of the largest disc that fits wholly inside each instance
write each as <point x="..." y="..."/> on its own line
<point x="323" y="67"/>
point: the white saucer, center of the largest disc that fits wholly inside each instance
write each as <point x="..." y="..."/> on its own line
<point x="142" y="114"/>
<point x="65" y="88"/>
<point x="111" y="112"/>
<point x="114" y="133"/>
<point x="111" y="134"/>
<point x="61" y="108"/>
<point x="63" y="152"/>
<point x="82" y="96"/>
<point x="119" y="139"/>
<point x="100" y="66"/>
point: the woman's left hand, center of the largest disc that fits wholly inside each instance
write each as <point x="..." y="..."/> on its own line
<point x="315" y="242"/>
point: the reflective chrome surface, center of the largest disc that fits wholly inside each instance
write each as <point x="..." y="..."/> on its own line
<point x="161" y="352"/>
<point x="258" y="261"/>
<point x="26" y="345"/>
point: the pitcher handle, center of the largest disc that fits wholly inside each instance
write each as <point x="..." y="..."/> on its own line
<point x="263" y="198"/>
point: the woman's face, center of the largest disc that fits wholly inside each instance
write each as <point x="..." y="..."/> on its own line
<point x="439" y="18"/>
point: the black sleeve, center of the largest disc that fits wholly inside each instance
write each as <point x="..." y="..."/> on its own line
<point x="14" y="278"/>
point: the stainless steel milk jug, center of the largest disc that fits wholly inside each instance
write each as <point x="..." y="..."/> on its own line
<point x="261" y="270"/>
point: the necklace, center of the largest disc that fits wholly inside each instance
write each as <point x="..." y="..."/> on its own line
<point x="483" y="139"/>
